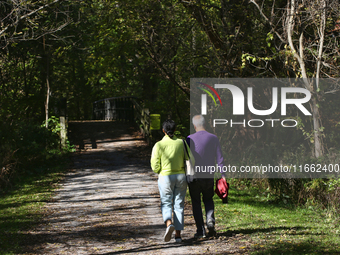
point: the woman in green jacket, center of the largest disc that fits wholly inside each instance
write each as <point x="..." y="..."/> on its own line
<point x="167" y="160"/>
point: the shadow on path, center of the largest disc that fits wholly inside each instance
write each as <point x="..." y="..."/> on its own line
<point x="108" y="202"/>
<point x="87" y="134"/>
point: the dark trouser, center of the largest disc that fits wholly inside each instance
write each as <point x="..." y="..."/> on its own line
<point x="206" y="188"/>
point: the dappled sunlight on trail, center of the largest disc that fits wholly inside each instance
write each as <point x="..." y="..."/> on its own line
<point x="108" y="202"/>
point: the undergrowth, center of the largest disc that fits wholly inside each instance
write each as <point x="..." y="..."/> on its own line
<point x="21" y="204"/>
<point x="273" y="225"/>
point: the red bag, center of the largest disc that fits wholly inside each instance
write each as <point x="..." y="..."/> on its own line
<point x="221" y="190"/>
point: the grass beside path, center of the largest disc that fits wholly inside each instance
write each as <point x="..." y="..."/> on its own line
<point x="21" y="207"/>
<point x="277" y="228"/>
<point x="250" y="222"/>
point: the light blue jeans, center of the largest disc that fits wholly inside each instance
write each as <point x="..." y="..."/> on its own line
<point x="172" y="190"/>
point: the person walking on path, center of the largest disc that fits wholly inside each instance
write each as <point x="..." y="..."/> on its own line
<point x="207" y="152"/>
<point x="167" y="160"/>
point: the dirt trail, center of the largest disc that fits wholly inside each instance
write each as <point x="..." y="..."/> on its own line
<point x="108" y="202"/>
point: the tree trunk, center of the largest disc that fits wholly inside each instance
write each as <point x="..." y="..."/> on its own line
<point x="48" y="90"/>
<point x="47" y="100"/>
<point x="299" y="56"/>
<point x="318" y="141"/>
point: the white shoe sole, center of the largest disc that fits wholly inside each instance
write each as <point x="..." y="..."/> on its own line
<point x="168" y="233"/>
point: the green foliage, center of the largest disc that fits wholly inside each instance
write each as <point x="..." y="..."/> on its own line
<point x="26" y="148"/>
<point x="268" y="226"/>
<point x="21" y="205"/>
<point x="320" y="193"/>
<point x="53" y="124"/>
<point x="181" y="131"/>
<point x="123" y="48"/>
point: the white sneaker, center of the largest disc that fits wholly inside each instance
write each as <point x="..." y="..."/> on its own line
<point x="168" y="233"/>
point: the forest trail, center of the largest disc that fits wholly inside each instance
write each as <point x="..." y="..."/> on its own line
<point x="108" y="202"/>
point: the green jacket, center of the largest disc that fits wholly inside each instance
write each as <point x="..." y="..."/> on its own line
<point x="168" y="156"/>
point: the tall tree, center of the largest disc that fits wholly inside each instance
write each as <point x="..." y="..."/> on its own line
<point x="306" y="31"/>
<point x="23" y="22"/>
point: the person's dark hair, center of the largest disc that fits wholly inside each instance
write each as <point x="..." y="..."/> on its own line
<point x="169" y="127"/>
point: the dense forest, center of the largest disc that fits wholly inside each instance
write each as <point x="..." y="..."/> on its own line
<point x="83" y="51"/>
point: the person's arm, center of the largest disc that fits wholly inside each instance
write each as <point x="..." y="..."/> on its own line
<point x="219" y="158"/>
<point x="192" y="158"/>
<point x="155" y="159"/>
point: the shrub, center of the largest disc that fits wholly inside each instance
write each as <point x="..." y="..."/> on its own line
<point x="25" y="148"/>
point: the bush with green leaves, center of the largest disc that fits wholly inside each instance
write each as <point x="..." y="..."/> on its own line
<point x="27" y="148"/>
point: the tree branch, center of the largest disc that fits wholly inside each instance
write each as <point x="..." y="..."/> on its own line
<point x="299" y="57"/>
<point x="268" y="20"/>
<point x="18" y="19"/>
<point x="321" y="31"/>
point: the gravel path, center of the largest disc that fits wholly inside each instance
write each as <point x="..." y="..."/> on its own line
<point x="108" y="202"/>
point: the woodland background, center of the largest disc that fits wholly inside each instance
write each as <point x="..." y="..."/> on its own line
<point x="52" y="52"/>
